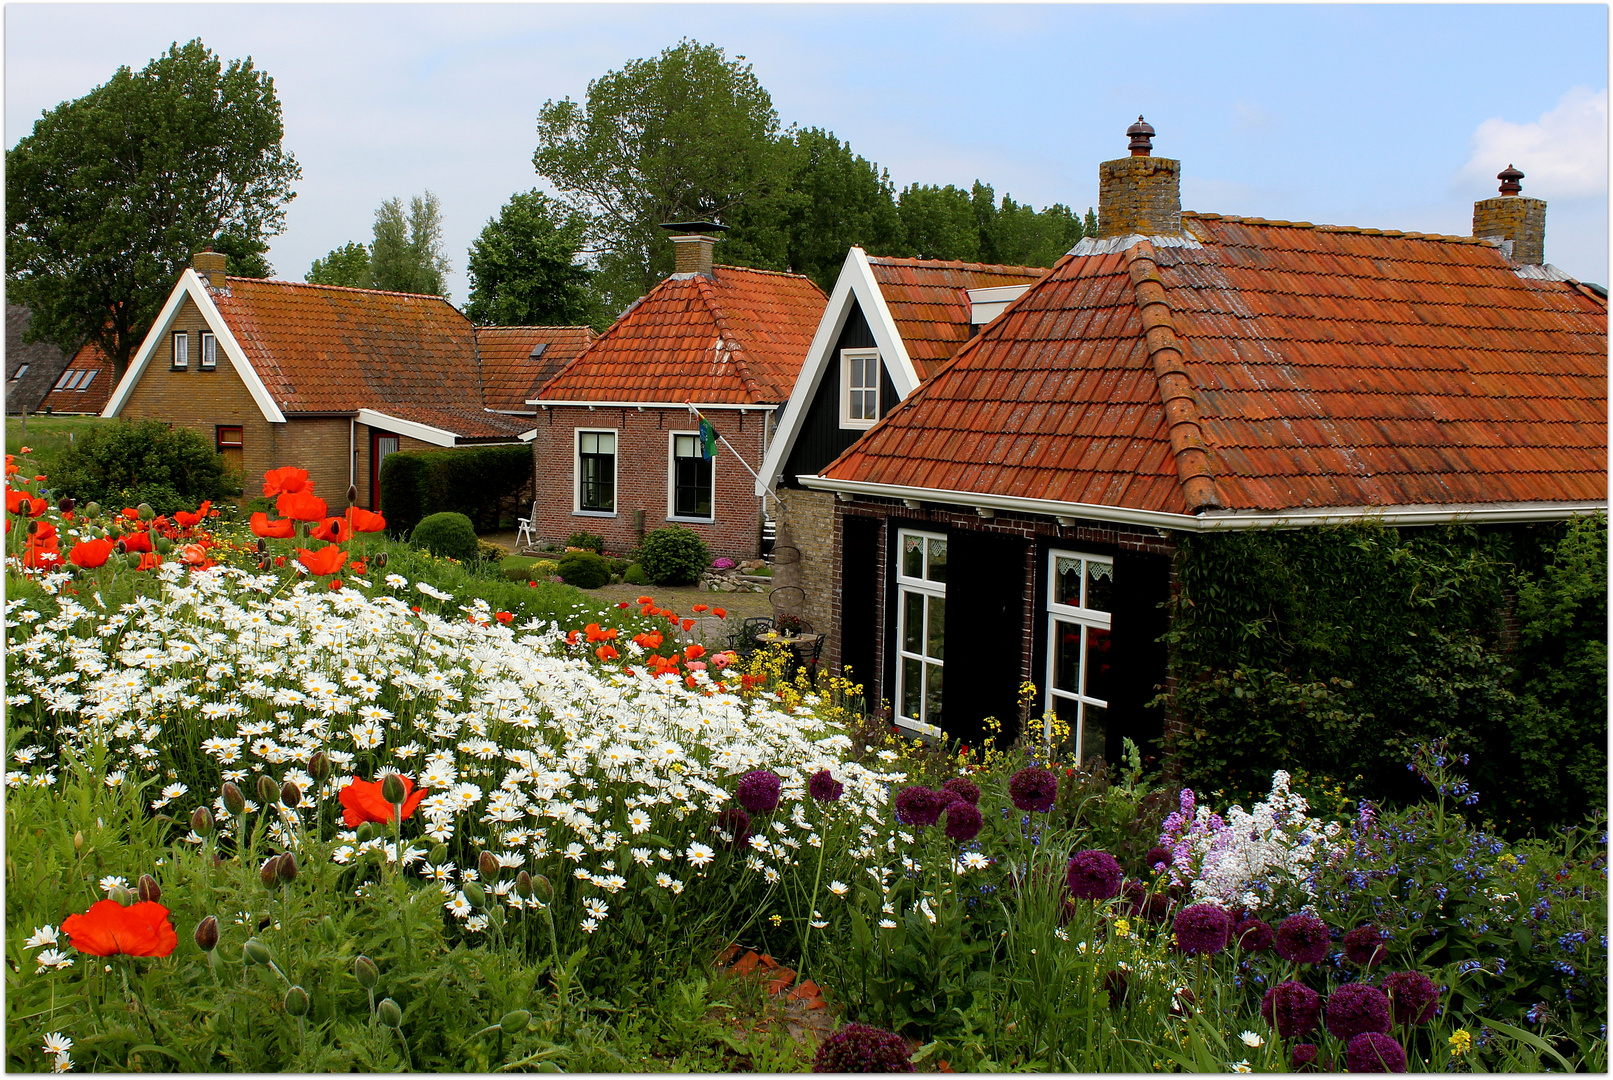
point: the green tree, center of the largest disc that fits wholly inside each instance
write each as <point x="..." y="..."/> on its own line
<point x="1017" y="234"/>
<point x="686" y="135"/>
<point x="523" y="267"/>
<point x="406" y="255"/>
<point x="110" y="195"/>
<point x="940" y="222"/>
<point x="347" y="265"/>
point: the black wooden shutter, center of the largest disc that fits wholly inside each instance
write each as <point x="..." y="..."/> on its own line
<point x="986" y="635"/>
<point x="1142" y="584"/>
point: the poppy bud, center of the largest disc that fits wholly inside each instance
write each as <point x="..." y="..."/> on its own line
<point x="132" y="560"/>
<point x="201" y="821"/>
<point x="234" y="801"/>
<point x="269" y="873"/>
<point x="66" y="504"/>
<point x="33" y="526"/>
<point x="365" y="971"/>
<point x="542" y="889"/>
<point x="352" y="494"/>
<point x="365" y="832"/>
<point x="120" y="547"/>
<point x="78" y="841"/>
<point x="319" y="767"/>
<point x="288" y="867"/>
<point x="296" y="1001"/>
<point x="263" y="545"/>
<point x="290" y="793"/>
<point x="163" y="545"/>
<point x="207" y="934"/>
<point x="327" y="930"/>
<point x="148" y="889"/>
<point x="392" y="788"/>
<point x="487" y="865"/>
<point x="92" y="509"/>
<point x="122" y="895"/>
<point x="388" y="1012"/>
<point x="268" y="791"/>
<point x="380" y="561"/>
<point x="523" y="885"/>
<point x="145" y="511"/>
<point x="263" y="565"/>
<point x="439" y="855"/>
<point x="256" y="952"/>
<point x="515" y="1022"/>
<point x="475" y="894"/>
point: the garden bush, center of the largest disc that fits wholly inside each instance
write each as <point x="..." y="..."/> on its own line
<point x="635" y="575"/>
<point x="128" y="463"/>
<point x="673" y="556"/>
<point x="584" y="569"/>
<point x="588" y="540"/>
<point x="447" y="534"/>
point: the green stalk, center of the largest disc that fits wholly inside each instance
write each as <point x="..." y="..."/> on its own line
<point x="812" y="905"/>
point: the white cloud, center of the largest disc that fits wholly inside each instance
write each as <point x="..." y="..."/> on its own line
<point x="1562" y="154"/>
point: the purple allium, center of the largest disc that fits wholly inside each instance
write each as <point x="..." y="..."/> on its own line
<point x="1291" y="1007"/>
<point x="1372" y="1051"/>
<point x="967" y="790"/>
<point x="1093" y="875"/>
<point x="1151" y="905"/>
<point x="1117" y="984"/>
<point x="758" y="791"/>
<point x="1302" y="939"/>
<point x="736" y="821"/>
<point x="1033" y="789"/>
<point x="918" y="806"/>
<point x="1303" y="1058"/>
<point x="824" y="787"/>
<point x="1414" y="995"/>
<point x="1203" y="928"/>
<point x="963" y="821"/>
<point x="1252" y="935"/>
<point x="860" y="1048"/>
<point x="1157" y="856"/>
<point x="1355" y="1008"/>
<point x="1364" y="946"/>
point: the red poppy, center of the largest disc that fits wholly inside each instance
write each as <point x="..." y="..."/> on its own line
<point x="131" y="513"/>
<point x="605" y="652"/>
<point x="596" y="634"/>
<point x="362" y="801"/>
<point x="110" y="929"/>
<point x="43" y="552"/>
<point x="90" y="553"/>
<point x="301" y="505"/>
<point x="362" y="520"/>
<point x="698" y="608"/>
<point x="695" y="652"/>
<point x="650" y="639"/>
<point x="149" y="560"/>
<point x="280" y="560"/>
<point x="137" y="541"/>
<point x="688" y="625"/>
<point x="359" y="566"/>
<point x="195" y="557"/>
<point x="189" y="520"/>
<point x="719" y="612"/>
<point x="645" y="600"/>
<point x="327" y="560"/>
<point x="280" y="529"/>
<point x="332" y="530"/>
<point x="504" y="617"/>
<point x="335" y="584"/>
<point x="286" y="481"/>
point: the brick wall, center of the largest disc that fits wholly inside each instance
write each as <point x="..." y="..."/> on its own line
<point x="1140" y="195"/>
<point x="643" y="456"/>
<point x="811" y="519"/>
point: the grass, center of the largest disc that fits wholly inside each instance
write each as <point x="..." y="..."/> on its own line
<point x="49" y="436"/>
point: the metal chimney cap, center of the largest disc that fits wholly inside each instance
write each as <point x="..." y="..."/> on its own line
<point x="693" y="226"/>
<point x="1509" y="178"/>
<point x="1142" y="134"/>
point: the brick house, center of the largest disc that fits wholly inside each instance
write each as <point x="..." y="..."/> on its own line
<point x="890" y="323"/>
<point x="84" y="386"/>
<point x="329" y="379"/>
<point x="616" y="448"/>
<point x="1186" y="372"/>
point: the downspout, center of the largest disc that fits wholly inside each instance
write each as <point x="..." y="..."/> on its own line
<point x="352" y="455"/>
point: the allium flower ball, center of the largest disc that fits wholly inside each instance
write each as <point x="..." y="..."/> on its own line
<point x="1291" y="1008"/>
<point x="1375" y="1052"/>
<point x="967" y="790"/>
<point x="1356" y="1008"/>
<point x="1033" y="789"/>
<point x="918" y="806"/>
<point x="758" y="791"/>
<point x="1117" y="984"/>
<point x="1303" y="1058"/>
<point x="1141" y="901"/>
<point x="963" y="821"/>
<point x="1093" y="875"/>
<point x="736" y="821"/>
<point x="1414" y="995"/>
<point x="860" y="1048"/>
<point x="1302" y="939"/>
<point x="1203" y="928"/>
<point x="1157" y="856"/>
<point x="1252" y="935"/>
<point x="1364" y="946"/>
<point x="824" y="787"/>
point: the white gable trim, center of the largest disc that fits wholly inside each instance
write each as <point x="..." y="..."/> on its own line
<point x="190" y="284"/>
<point x="423" y="432"/>
<point x="855" y="284"/>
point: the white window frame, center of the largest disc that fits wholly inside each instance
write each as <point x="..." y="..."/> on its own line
<point x="1087" y="619"/>
<point x="576" y="472"/>
<point x="84" y="383"/>
<point x="672" y="479"/>
<point x="180" y="350"/>
<point x="930" y="591"/>
<point x="22" y="369"/>
<point x="846" y="357"/>
<point x="69" y="377"/>
<point x="209" y="355"/>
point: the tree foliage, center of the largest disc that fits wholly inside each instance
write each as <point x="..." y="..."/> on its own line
<point x="407" y="253"/>
<point x="123" y="464"/>
<point x="110" y="195"/>
<point x="523" y="267"/>
<point x="347" y="265"/>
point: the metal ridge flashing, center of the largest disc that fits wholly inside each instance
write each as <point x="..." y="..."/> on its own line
<point x="1111" y="245"/>
<point x="683" y="405"/>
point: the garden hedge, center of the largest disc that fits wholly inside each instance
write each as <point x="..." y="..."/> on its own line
<point x="469" y="480"/>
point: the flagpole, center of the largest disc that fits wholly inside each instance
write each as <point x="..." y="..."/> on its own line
<point x="723" y="439"/>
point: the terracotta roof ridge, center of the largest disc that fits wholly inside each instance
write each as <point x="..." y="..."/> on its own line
<point x="956" y="264"/>
<point x="736" y="351"/>
<point x="1484" y="241"/>
<point x="339" y="288"/>
<point x="1175" y="386"/>
<point x="771" y="273"/>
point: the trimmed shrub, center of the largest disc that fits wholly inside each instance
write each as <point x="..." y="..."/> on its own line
<point x="468" y="480"/>
<point x="446" y="534"/>
<point x="584" y="569"/>
<point x="486" y="549"/>
<point x="518" y="569"/>
<point x="673" y="556"/>
<point x="588" y="540"/>
<point x="635" y="575"/>
<point x="128" y="463"/>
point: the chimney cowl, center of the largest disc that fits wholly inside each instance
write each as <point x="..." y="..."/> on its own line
<point x="1509" y="178"/>
<point x="1513" y="217"/>
<point x="1142" y="138"/>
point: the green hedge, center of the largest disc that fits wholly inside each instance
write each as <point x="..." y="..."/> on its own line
<point x="469" y="480"/>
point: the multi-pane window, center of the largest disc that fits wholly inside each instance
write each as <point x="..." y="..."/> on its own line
<point x="68" y="380"/>
<point x="1080" y="597"/>
<point x="596" y="471"/>
<point x="181" y="349"/>
<point x="84" y="383"/>
<point x="921" y="613"/>
<point x="691" y="478"/>
<point x="209" y="352"/>
<point x="859" y="395"/>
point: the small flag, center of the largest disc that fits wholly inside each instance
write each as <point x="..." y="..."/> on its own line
<point x="708" y="435"/>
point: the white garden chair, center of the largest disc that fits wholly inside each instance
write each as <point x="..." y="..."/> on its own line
<point x="523" y="528"/>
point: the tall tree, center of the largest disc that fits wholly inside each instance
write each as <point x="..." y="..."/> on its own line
<point x="347" y="265"/>
<point x="523" y="267"/>
<point x="110" y="195"/>
<point x="685" y="135"/>
<point x="407" y="255"/>
<point x="939" y="222"/>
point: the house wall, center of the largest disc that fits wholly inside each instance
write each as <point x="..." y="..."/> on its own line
<point x="810" y="517"/>
<point x="643" y="449"/>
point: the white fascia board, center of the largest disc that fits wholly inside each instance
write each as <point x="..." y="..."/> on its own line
<point x="892" y="349"/>
<point x="1472" y="514"/>
<point x="683" y="406"/>
<point x="423" y="432"/>
<point x="528" y="436"/>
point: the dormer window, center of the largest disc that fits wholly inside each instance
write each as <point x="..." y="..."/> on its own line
<point x="859" y="387"/>
<point x="181" y="349"/>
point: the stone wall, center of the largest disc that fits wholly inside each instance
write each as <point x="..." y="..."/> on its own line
<point x="1140" y="195"/>
<point x="1517" y="218"/>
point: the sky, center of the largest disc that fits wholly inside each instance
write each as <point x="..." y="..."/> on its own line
<point x="1378" y="116"/>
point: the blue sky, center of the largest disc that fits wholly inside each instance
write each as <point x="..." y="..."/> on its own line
<point x="1382" y="116"/>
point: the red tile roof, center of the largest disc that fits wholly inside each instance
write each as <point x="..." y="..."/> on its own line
<point x="89" y="374"/>
<point x="1306" y="366"/>
<point x="665" y="348"/>
<point x="510" y="375"/>
<point x="929" y="301"/>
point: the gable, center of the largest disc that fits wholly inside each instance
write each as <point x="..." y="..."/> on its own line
<point x="819" y="437"/>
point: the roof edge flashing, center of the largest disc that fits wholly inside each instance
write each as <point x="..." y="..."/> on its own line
<point x="1111" y="245"/>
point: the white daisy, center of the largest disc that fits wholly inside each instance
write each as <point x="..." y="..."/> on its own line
<point x="839" y="888"/>
<point x="57" y="1043"/>
<point x="42" y="935"/>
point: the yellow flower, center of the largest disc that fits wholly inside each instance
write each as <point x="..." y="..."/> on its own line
<point x="777" y="919"/>
<point x="1123" y="927"/>
<point x="1461" y="1041"/>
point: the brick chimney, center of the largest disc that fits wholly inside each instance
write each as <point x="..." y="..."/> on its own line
<point x="210" y="265"/>
<point x="1513" y="217"/>
<point x="1140" y="193"/>
<point x="693" y="241"/>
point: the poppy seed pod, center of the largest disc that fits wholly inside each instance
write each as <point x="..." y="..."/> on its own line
<point x="268" y="791"/>
<point x="145" y="512"/>
<point x="201" y="821"/>
<point x="319" y="767"/>
<point x="33" y="527"/>
<point x="207" y="934"/>
<point x="380" y="561"/>
<point x="523" y="885"/>
<point x="487" y="866"/>
<point x="365" y="971"/>
<point x="290" y="793"/>
<point x="288" y="867"/>
<point x="475" y="894"/>
<point x="269" y="872"/>
<point x="296" y="1001"/>
<point x="148" y="889"/>
<point x="392" y="789"/>
<point x="234" y="801"/>
<point x="132" y="560"/>
<point x="163" y="545"/>
<point x="256" y="952"/>
<point x="389" y="1013"/>
<point x="123" y="895"/>
<point x="515" y="1021"/>
<point x="66" y="504"/>
<point x="439" y="855"/>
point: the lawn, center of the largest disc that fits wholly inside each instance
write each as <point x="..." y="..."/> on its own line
<point x="49" y="436"/>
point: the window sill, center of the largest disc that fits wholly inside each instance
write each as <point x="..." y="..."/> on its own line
<point x="917" y="728"/>
<point x="693" y="520"/>
<point x="594" y="513"/>
<point x="856" y="425"/>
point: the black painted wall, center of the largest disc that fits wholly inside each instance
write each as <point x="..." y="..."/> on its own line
<point x="821" y="438"/>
